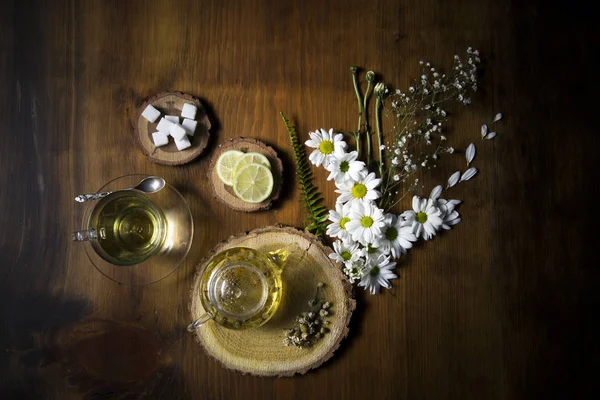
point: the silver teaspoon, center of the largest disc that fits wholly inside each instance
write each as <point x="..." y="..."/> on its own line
<point x="149" y="185"/>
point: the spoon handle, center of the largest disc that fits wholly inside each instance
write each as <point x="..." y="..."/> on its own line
<point x="82" y="198"/>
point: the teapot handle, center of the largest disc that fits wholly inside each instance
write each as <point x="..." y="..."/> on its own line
<point x="196" y="324"/>
<point x="84" y="236"/>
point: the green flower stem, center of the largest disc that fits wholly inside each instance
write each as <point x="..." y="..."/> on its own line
<point x="357" y="138"/>
<point x="360" y="106"/>
<point x="379" y="133"/>
<point x="367" y="128"/>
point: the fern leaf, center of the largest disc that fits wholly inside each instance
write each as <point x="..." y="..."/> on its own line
<point x="310" y="195"/>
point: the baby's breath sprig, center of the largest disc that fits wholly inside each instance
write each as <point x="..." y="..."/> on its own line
<point x="418" y="119"/>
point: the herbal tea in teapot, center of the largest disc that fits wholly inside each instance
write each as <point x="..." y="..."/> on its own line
<point x="241" y="287"/>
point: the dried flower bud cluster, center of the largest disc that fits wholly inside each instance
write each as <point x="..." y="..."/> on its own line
<point x="310" y="326"/>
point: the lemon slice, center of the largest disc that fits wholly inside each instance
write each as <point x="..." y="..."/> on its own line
<point x="251" y="158"/>
<point x="253" y="183"/>
<point x="225" y="165"/>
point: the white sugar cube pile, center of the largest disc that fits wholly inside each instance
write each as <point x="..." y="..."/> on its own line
<point x="169" y="126"/>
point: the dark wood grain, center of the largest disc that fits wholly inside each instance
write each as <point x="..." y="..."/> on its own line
<point x="501" y="307"/>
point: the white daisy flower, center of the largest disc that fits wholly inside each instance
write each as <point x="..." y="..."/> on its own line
<point x="377" y="272"/>
<point x="425" y="218"/>
<point x="359" y="190"/>
<point x="397" y="235"/>
<point x="449" y="215"/>
<point x="346" y="167"/>
<point x="366" y="222"/>
<point x="327" y="145"/>
<point x="353" y="270"/>
<point x="339" y="218"/>
<point x="345" y="252"/>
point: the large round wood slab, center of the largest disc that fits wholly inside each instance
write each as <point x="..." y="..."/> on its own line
<point x="170" y="103"/>
<point x="225" y="193"/>
<point x="261" y="351"/>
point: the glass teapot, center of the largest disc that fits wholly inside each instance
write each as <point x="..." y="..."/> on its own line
<point x="241" y="287"/>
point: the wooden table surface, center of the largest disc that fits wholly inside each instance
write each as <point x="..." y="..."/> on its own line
<point x="498" y="308"/>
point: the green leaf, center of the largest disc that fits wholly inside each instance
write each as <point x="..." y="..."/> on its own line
<point x="310" y="195"/>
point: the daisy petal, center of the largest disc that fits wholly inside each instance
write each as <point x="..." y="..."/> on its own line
<point x="491" y="135"/>
<point x="436" y="192"/>
<point x="468" y="174"/>
<point x="470" y="153"/>
<point x="453" y="180"/>
<point x="497" y="118"/>
<point x="484" y="130"/>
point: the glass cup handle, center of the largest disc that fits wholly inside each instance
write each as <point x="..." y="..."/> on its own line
<point x="82" y="198"/>
<point x="84" y="236"/>
<point x="196" y="324"/>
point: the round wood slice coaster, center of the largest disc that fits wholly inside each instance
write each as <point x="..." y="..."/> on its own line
<point x="225" y="193"/>
<point x="261" y="351"/>
<point x="170" y="103"/>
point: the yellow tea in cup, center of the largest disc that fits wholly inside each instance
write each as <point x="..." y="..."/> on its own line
<point x="128" y="227"/>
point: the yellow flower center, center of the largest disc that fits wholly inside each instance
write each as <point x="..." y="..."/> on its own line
<point x="326" y="147"/>
<point x="391" y="233"/>
<point x="346" y="255"/>
<point x="344" y="166"/>
<point x="343" y="222"/>
<point x="359" y="191"/>
<point x="366" y="222"/>
<point x="421" y="217"/>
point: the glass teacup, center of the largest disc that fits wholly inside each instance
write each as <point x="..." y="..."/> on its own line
<point x="241" y="287"/>
<point x="134" y="237"/>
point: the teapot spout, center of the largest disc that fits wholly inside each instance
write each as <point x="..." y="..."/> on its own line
<point x="280" y="256"/>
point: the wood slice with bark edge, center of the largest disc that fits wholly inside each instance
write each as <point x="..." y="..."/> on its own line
<point x="225" y="193"/>
<point x="170" y="103"/>
<point x="260" y="351"/>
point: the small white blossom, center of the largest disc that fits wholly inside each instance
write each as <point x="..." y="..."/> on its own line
<point x="339" y="218"/>
<point x="327" y="145"/>
<point x="449" y="215"/>
<point x="354" y="270"/>
<point x="346" y="167"/>
<point x="397" y="235"/>
<point x="377" y="273"/>
<point x="366" y="222"/>
<point x="424" y="218"/>
<point x="359" y="190"/>
<point x="345" y="252"/>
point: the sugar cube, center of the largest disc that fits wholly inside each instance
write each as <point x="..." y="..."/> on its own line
<point x="150" y="113"/>
<point x="173" y="118"/>
<point x="160" y="139"/>
<point x="177" y="131"/>
<point x="189" y="111"/>
<point x="189" y="125"/>
<point x="164" y="125"/>
<point x="183" y="143"/>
